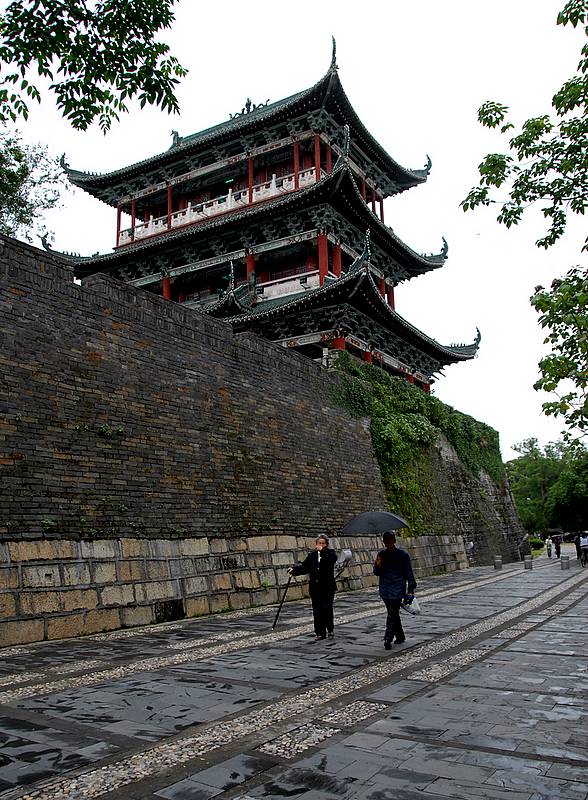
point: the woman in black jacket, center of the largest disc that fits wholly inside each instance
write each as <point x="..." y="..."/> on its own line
<point x="320" y="567"/>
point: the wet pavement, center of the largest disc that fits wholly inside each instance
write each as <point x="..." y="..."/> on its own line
<point x="488" y="698"/>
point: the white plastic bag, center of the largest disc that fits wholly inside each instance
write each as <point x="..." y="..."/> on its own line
<point x="414" y="607"/>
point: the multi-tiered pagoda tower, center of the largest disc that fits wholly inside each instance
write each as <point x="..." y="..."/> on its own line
<point x="274" y="221"/>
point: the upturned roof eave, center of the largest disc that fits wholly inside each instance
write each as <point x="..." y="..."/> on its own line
<point x="355" y="280"/>
<point x="340" y="179"/>
<point x="329" y="84"/>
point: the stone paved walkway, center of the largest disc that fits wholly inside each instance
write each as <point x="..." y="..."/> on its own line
<point x="488" y="698"/>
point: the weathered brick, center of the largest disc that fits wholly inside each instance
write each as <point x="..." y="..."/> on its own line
<point x="263" y="543"/>
<point x="41" y="551"/>
<point x="246" y="579"/>
<point x="219" y="602"/>
<point x="196" y="585"/>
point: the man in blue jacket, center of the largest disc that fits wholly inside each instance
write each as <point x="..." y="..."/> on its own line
<point x="394" y="569"/>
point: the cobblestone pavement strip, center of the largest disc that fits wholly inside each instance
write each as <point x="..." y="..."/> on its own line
<point x="488" y="698"/>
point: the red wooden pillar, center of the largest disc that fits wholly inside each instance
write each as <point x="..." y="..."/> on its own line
<point x="250" y="266"/>
<point x="323" y="257"/>
<point x="169" y="206"/>
<point x="118" y="216"/>
<point x="133" y="218"/>
<point x="374" y="200"/>
<point x="427" y="388"/>
<point x="328" y="159"/>
<point x="410" y="378"/>
<point x="363" y="189"/>
<point x="367" y="356"/>
<point x="296" y="165"/>
<point x="250" y="179"/>
<point x="382" y="209"/>
<point x="339" y="343"/>
<point x="383" y="287"/>
<point x="317" y="156"/>
<point x="166" y="287"/>
<point x="337" y="260"/>
<point x="391" y="301"/>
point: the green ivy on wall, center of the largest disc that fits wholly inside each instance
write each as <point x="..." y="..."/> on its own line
<point x="405" y="424"/>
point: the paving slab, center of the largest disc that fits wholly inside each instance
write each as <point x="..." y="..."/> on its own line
<point x="488" y="698"/>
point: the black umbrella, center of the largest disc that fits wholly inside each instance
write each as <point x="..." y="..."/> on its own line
<point x="375" y="522"/>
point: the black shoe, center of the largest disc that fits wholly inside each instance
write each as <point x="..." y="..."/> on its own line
<point x="399" y="639"/>
<point x="331" y="634"/>
<point x="387" y="644"/>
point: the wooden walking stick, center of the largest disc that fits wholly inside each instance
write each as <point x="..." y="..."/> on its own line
<point x="282" y="602"/>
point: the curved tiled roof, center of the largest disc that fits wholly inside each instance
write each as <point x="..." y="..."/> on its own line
<point x="338" y="185"/>
<point x="327" y="89"/>
<point x="358" y="280"/>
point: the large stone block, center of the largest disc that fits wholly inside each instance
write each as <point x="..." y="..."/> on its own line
<point x="40" y="602"/>
<point x="133" y="548"/>
<point x="7" y="604"/>
<point x="159" y="590"/>
<point x="38" y="577"/>
<point x="8" y="577"/>
<point x="130" y="571"/>
<point x="246" y="579"/>
<point x="117" y="595"/>
<point x="197" y="606"/>
<point x="21" y="632"/>
<point x="240" y="600"/>
<point x="131" y="616"/>
<point x="195" y="585"/>
<point x="79" y="598"/>
<point x="261" y="543"/>
<point x="286" y="542"/>
<point x="104" y="571"/>
<point x="101" y="548"/>
<point x="76" y="574"/>
<point x="220" y="582"/>
<point x="83" y="623"/>
<point x="219" y="602"/>
<point x="42" y="550"/>
<point x="157" y="569"/>
<point x="194" y="547"/>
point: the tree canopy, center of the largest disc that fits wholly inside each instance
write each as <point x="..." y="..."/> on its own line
<point x="546" y="165"/>
<point x="550" y="485"/>
<point x="96" y="55"/>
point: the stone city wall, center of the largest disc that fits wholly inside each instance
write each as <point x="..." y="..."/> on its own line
<point x="153" y="464"/>
<point x="59" y="588"/>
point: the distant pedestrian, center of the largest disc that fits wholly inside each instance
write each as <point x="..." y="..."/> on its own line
<point x="394" y="569"/>
<point x="557" y="545"/>
<point x="578" y="547"/>
<point x="319" y="565"/>
<point x="584" y="548"/>
<point x="548" y="546"/>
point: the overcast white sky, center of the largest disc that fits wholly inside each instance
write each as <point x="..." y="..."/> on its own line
<point x="416" y="73"/>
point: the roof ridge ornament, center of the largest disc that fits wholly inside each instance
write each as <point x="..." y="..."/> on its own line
<point x="334" y="55"/>
<point x="176" y="139"/>
<point x="249" y="108"/>
<point x="445" y="248"/>
<point x="344" y="154"/>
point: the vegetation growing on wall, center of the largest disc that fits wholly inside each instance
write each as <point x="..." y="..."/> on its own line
<point x="405" y="423"/>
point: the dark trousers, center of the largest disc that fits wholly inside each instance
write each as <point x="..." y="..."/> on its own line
<point x="393" y="623"/>
<point x="322" y="612"/>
